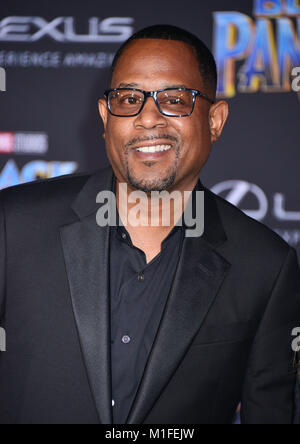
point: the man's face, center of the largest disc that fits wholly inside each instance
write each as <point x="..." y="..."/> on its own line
<point x="152" y="65"/>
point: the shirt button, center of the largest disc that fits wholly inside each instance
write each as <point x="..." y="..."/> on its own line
<point x="124" y="236"/>
<point x="141" y="278"/>
<point x="113" y="403"/>
<point x="126" y="339"/>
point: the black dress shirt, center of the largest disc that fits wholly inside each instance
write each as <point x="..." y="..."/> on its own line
<point x="139" y="293"/>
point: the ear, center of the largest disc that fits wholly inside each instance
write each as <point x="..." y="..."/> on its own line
<point x="217" y="118"/>
<point x="103" y="111"/>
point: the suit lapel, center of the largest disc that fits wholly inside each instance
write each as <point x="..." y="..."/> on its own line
<point x="200" y="274"/>
<point x="86" y="252"/>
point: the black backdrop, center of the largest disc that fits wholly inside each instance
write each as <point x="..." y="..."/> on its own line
<point x="56" y="56"/>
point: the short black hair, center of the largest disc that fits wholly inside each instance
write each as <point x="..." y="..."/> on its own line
<point x="206" y="60"/>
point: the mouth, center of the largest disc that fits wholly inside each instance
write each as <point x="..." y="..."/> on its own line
<point x="152" y="151"/>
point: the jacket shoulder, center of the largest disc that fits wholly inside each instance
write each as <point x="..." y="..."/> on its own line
<point x="249" y="234"/>
<point x="50" y="200"/>
<point x="62" y="186"/>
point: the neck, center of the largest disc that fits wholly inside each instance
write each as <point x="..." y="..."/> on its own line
<point x="154" y="210"/>
<point x="150" y="217"/>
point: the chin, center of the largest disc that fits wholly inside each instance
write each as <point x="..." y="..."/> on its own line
<point x="152" y="179"/>
<point x="151" y="184"/>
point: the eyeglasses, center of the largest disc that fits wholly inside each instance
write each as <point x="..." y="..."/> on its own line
<point x="129" y="102"/>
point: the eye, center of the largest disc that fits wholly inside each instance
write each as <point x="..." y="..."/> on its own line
<point x="173" y="101"/>
<point x="130" y="100"/>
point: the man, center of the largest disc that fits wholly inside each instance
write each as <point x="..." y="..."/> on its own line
<point x="144" y="324"/>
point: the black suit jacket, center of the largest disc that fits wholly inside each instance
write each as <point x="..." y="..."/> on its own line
<point x="225" y="335"/>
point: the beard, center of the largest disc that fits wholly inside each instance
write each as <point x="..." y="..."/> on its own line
<point x="155" y="184"/>
<point x="160" y="183"/>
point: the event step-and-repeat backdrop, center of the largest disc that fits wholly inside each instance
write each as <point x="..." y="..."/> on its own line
<point x="54" y="59"/>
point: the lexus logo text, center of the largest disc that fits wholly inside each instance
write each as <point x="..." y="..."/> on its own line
<point x="236" y="191"/>
<point x="63" y="29"/>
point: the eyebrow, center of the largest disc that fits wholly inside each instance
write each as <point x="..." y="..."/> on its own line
<point x="128" y="85"/>
<point x="136" y="85"/>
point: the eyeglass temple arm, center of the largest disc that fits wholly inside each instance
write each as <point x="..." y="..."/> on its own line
<point x="204" y="96"/>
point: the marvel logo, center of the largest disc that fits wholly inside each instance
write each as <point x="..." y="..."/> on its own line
<point x="23" y="142"/>
<point x="6" y="142"/>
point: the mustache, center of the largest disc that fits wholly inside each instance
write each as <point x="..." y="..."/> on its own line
<point x="150" y="138"/>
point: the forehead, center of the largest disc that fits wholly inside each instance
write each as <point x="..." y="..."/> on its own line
<point x="154" y="64"/>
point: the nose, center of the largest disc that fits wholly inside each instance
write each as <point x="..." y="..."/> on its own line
<point x="150" y="117"/>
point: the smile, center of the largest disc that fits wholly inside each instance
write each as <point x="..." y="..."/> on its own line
<point x="154" y="149"/>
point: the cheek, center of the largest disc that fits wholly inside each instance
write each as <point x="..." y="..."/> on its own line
<point x="196" y="144"/>
<point x="195" y="135"/>
<point x="115" y="131"/>
<point x="200" y="122"/>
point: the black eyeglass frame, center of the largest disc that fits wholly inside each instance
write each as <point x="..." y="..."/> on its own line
<point x="154" y="94"/>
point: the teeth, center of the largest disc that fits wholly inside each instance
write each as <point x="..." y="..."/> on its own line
<point x="154" y="149"/>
